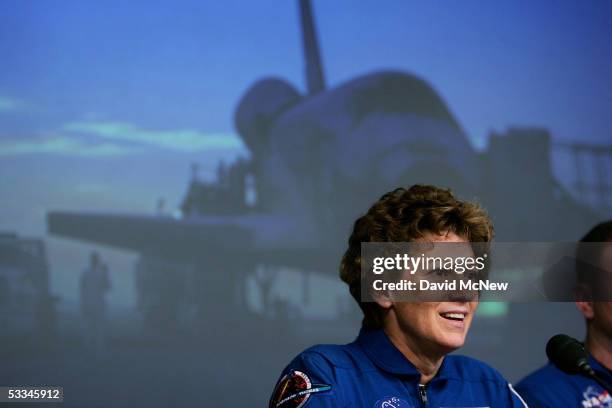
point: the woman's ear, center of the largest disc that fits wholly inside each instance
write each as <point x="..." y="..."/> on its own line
<point x="381" y="297"/>
<point x="586" y="308"/>
<point x="383" y="300"/>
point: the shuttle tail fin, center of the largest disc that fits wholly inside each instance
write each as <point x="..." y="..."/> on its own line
<point x="315" y="79"/>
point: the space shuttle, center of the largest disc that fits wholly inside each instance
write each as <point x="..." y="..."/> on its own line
<point x="320" y="157"/>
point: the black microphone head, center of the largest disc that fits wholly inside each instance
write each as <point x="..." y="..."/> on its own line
<point x="568" y="354"/>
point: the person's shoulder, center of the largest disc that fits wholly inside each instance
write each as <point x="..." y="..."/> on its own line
<point x="323" y="370"/>
<point x="470" y="369"/>
<point x="344" y="356"/>
<point x="331" y="362"/>
<point x="545" y="387"/>
<point x="547" y="376"/>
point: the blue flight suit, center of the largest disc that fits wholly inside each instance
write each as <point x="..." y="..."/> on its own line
<point x="551" y="387"/>
<point x="372" y="373"/>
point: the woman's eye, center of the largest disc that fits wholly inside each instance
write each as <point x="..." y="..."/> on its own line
<point x="472" y="275"/>
<point x="439" y="272"/>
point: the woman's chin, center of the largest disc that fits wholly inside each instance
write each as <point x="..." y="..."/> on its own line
<point x="452" y="342"/>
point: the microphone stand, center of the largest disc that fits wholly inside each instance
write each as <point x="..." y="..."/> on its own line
<point x="587" y="370"/>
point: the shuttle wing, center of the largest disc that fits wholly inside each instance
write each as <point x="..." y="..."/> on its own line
<point x="266" y="238"/>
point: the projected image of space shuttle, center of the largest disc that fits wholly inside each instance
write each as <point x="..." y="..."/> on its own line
<point x="317" y="160"/>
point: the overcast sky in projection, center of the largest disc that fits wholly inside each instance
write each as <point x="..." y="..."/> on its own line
<point x="103" y="105"/>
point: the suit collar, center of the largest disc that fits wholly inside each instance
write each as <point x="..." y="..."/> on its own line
<point x="381" y="351"/>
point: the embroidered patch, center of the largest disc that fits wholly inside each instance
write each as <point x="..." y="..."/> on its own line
<point x="595" y="397"/>
<point x="294" y="389"/>
<point x="391" y="402"/>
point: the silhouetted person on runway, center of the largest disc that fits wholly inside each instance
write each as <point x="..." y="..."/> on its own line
<point x="94" y="285"/>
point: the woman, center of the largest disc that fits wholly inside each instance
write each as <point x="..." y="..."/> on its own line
<point x="400" y="357"/>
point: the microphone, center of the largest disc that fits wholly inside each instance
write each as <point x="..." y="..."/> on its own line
<point x="570" y="356"/>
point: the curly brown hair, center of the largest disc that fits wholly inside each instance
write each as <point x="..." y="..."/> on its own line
<point x="587" y="254"/>
<point x="404" y="215"/>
